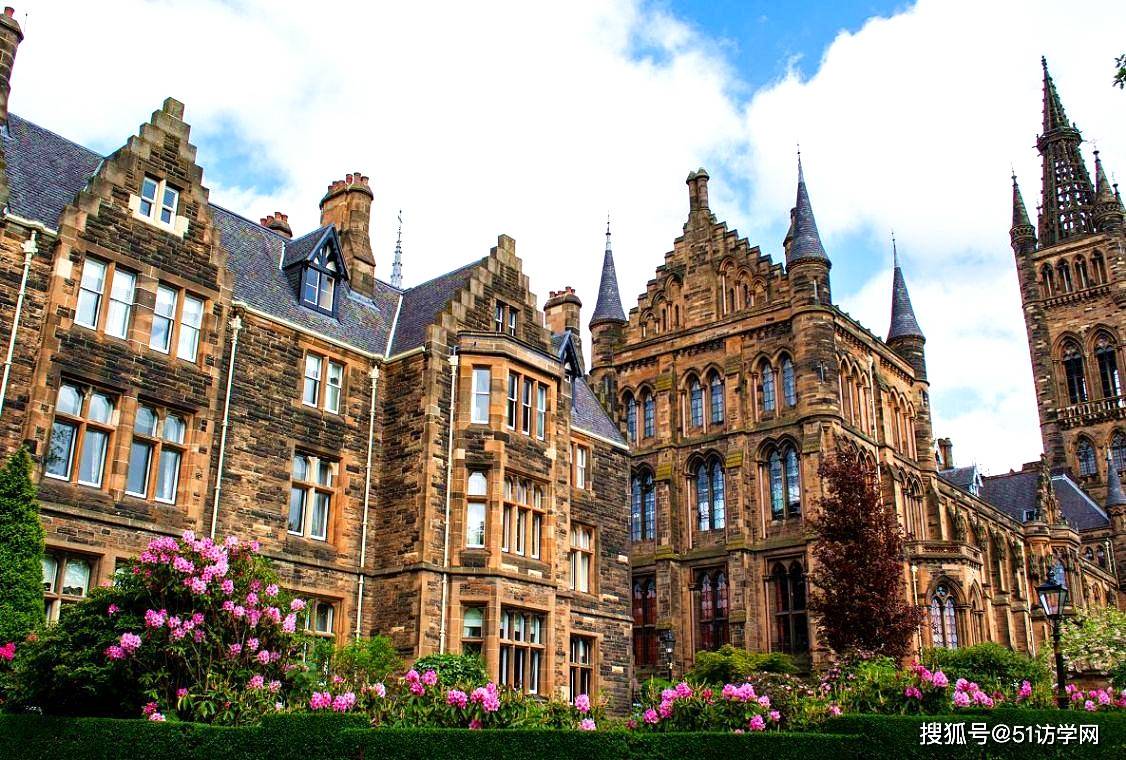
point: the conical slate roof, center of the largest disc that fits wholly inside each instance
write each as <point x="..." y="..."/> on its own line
<point x="609" y="305"/>
<point x="903" y="322"/>
<point x="1114" y="495"/>
<point x="1020" y="213"/>
<point x="806" y="242"/>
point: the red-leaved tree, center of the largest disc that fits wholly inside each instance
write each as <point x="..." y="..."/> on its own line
<point x="857" y="582"/>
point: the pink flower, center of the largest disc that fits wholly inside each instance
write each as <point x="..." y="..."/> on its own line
<point x="129" y="642"/>
<point x="114" y="652"/>
<point x="274" y="686"/>
<point x="651" y="717"/>
<point x="912" y="692"/>
<point x="252" y="598"/>
<point x="1089" y="706"/>
<point x="582" y="703"/>
<point x="181" y="692"/>
<point x="961" y="684"/>
<point x="197" y="585"/>
<point x="430" y="677"/>
<point x="683" y="689"/>
<point x="113" y="609"/>
<point x="252" y="644"/>
<point x="235" y="649"/>
<point x="157" y="717"/>
<point x="457" y="698"/>
<point x="344" y="702"/>
<point x="491" y="703"/>
<point x="228" y="587"/>
<point x="264" y="657"/>
<point x="764" y="701"/>
<point x="255" y="546"/>
<point x="272" y="590"/>
<point x="182" y="565"/>
<point x="289" y="624"/>
<point x="834" y="710"/>
<point x="8" y="651"/>
<point x="149" y="709"/>
<point x="775" y="716"/>
<point x="380" y="689"/>
<point x="474" y="725"/>
<point x="239" y="611"/>
<point x="337" y="680"/>
<point x="1025" y="690"/>
<point x="257" y="681"/>
<point x="320" y="700"/>
<point x="297" y="605"/>
<point x="940" y="680"/>
<point x="757" y="723"/>
<point x="411" y="676"/>
<point x="586" y="724"/>
<point x="961" y="699"/>
<point x="417" y="689"/>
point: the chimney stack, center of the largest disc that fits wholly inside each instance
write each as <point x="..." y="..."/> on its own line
<point x="698" y="190"/>
<point x="562" y="314"/>
<point x="10" y="37"/>
<point x="279" y="223"/>
<point x="945" y="454"/>
<point x="347" y="206"/>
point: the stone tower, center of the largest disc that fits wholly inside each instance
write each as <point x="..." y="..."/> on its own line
<point x="905" y="337"/>
<point x="1072" y="272"/>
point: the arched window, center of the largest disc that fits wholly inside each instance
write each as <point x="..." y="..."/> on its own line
<point x="1085" y="453"/>
<point x="1073" y="370"/>
<point x="1088" y="554"/>
<point x="944" y="628"/>
<point x="1047" y="281"/>
<point x="1098" y="268"/>
<point x="631" y="417"/>
<point x="645" y="622"/>
<point x="768" y="398"/>
<point x="711" y="609"/>
<point x="717" y="399"/>
<point x="791" y="626"/>
<point x="1063" y="272"/>
<point x="789" y="390"/>
<point x="649" y="411"/>
<point x="643" y="506"/>
<point x="710" y="494"/>
<point x="696" y="403"/>
<point x="1118" y="451"/>
<point x="1081" y="278"/>
<point x="1100" y="556"/>
<point x="1107" y="356"/>
<point x="785" y="483"/>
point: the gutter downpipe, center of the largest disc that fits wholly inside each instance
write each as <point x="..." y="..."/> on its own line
<point x="374" y="375"/>
<point x="30" y="247"/>
<point x="236" y="325"/>
<point x="449" y="474"/>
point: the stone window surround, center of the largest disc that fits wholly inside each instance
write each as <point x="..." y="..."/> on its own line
<point x="54" y="598"/>
<point x="179" y="225"/>
<point x="326" y="359"/>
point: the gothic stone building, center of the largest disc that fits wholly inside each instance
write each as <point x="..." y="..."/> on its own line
<point x="735" y="376"/>
<point x="427" y="463"/>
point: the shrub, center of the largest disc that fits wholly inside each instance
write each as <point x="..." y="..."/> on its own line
<point x="358" y="663"/>
<point x="729" y="664"/>
<point x="1095" y="639"/>
<point x="21" y="551"/>
<point x="195" y="629"/>
<point x="1118" y="675"/>
<point x="454" y="669"/>
<point x="990" y="665"/>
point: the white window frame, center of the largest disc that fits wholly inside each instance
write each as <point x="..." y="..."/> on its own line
<point x="165" y="201"/>
<point x="311" y="488"/>
<point x="188" y="331"/>
<point x="482" y="389"/>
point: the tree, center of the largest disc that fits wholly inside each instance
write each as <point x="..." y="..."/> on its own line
<point x="857" y="580"/>
<point x="1095" y="639"/>
<point x="21" y="550"/>
<point x="1120" y="77"/>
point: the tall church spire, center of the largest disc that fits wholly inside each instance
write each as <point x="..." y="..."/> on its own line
<point x="803" y="241"/>
<point x="1066" y="208"/>
<point x="903" y="322"/>
<point x="609" y="305"/>
<point x="397" y="264"/>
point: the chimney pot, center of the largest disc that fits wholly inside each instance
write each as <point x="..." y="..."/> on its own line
<point x="9" y="11"/>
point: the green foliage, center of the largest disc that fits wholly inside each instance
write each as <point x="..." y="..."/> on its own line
<point x="1094" y="639"/>
<point x="1120" y="76"/>
<point x="1118" y="675"/>
<point x="990" y="665"/>
<point x="729" y="664"/>
<point x="454" y="669"/>
<point x="21" y="551"/>
<point x="866" y="685"/>
<point x="366" y="661"/>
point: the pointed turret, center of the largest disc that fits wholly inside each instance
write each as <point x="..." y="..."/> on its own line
<point x="803" y="241"/>
<point x="1022" y="232"/>
<point x="903" y="322"/>
<point x="397" y="264"/>
<point x="1108" y="211"/>
<point x="1067" y="193"/>
<point x="608" y="308"/>
<point x="1114" y="495"/>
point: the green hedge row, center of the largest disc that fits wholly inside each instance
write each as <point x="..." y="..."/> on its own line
<point x="330" y="736"/>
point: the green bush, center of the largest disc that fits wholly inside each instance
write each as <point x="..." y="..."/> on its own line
<point x="21" y="551"/>
<point x="366" y="661"/>
<point x="990" y="665"/>
<point x="729" y="664"/>
<point x="1118" y="675"/>
<point x="454" y="669"/>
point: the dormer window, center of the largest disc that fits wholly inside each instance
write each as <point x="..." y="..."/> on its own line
<point x="158" y="201"/>
<point x="320" y="282"/>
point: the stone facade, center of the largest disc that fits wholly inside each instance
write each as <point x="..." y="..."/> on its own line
<point x="177" y="366"/>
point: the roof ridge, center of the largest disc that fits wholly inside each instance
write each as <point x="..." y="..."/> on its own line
<point x="446" y="274"/>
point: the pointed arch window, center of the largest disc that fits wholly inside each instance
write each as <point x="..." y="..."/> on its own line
<point x="789" y="389"/>
<point x="791" y="622"/>
<point x="696" y="403"/>
<point x="1085" y="454"/>
<point x="1074" y="372"/>
<point x="785" y="483"/>
<point x="645" y="622"/>
<point x="649" y="410"/>
<point x="943" y="619"/>
<point x="717" y="410"/>
<point x="1047" y="281"/>
<point x="1106" y="354"/>
<point x="1081" y="278"/>
<point x="631" y="418"/>
<point x="1118" y="451"/>
<point x="1098" y="268"/>
<point x="643" y="506"/>
<point x="711" y="609"/>
<point x="710" y="495"/>
<point x="1063" y="272"/>
<point x="768" y="398"/>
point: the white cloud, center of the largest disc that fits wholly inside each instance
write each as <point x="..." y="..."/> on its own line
<point x="482" y="118"/>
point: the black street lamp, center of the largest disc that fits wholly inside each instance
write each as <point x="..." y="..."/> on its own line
<point x="1053" y="599"/>
<point x="668" y="643"/>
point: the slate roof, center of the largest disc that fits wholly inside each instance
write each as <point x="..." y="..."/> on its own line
<point x="806" y="242"/>
<point x="422" y="302"/>
<point x="608" y="307"/>
<point x="45" y="171"/>
<point x="962" y="477"/>
<point x="299" y="249"/>
<point x="903" y="322"/>
<point x="1015" y="493"/>
<point x="587" y="413"/>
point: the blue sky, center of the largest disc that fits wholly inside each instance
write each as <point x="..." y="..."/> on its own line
<point x="534" y="120"/>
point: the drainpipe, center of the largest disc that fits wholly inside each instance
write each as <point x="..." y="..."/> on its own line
<point x="29" y="248"/>
<point x="236" y="325"/>
<point x="374" y="375"/>
<point x="449" y="475"/>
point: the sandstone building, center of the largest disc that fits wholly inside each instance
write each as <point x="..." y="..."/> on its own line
<point x="428" y="463"/>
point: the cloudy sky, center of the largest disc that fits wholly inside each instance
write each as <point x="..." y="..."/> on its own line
<point x="535" y="120"/>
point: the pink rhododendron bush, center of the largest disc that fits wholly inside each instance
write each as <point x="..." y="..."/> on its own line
<point x="193" y="628"/>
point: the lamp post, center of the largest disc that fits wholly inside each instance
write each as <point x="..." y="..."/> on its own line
<point x="668" y="643"/>
<point x="1053" y="599"/>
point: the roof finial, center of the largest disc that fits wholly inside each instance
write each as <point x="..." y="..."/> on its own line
<point x="397" y="264"/>
<point x="894" y="252"/>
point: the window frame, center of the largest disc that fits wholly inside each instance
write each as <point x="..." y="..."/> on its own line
<point x="81" y="425"/>
<point x="644" y="593"/>
<point x="580" y="456"/>
<point x="520" y="659"/>
<point x="474" y="644"/>
<point x="175" y="322"/>
<point x="107" y="297"/>
<point x="318" y="269"/>
<point x="479" y="373"/>
<point x="583" y="551"/>
<point x="311" y="488"/>
<point x="522" y="518"/>
<point x="712" y="627"/>
<point x="54" y="598"/>
<point x="476" y="499"/>
<point x="158" y="444"/>
<point x="790" y="609"/>
<point x="582" y="665"/>
<point x="643" y="506"/>
<point x="158" y="204"/>
<point x="322" y="382"/>
<point x="309" y="621"/>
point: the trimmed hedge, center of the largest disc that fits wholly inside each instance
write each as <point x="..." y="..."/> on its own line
<point x="328" y="736"/>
